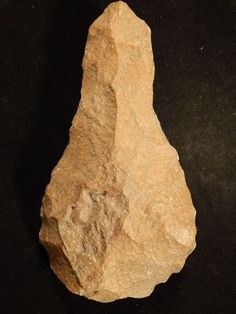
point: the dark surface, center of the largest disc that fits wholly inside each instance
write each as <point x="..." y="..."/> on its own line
<point x="41" y="49"/>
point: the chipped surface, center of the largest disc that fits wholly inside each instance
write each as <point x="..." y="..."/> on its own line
<point x="117" y="216"/>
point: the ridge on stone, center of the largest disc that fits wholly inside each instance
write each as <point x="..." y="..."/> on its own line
<point x="117" y="216"/>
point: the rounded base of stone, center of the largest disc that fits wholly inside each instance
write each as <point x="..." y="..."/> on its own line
<point x="106" y="296"/>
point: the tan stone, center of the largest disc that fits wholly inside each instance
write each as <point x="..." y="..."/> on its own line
<point x="117" y="216"/>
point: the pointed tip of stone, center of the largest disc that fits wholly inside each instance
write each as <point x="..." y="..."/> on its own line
<point x="119" y="11"/>
<point x="118" y="14"/>
<point x="113" y="14"/>
<point x="119" y="7"/>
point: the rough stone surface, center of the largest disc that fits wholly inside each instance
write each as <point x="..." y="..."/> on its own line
<point x="117" y="216"/>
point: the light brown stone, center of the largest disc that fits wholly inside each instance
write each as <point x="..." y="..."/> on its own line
<point x="117" y="216"/>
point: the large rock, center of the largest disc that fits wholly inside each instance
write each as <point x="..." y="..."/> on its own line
<point x="117" y="216"/>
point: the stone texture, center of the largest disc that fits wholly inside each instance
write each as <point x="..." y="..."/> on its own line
<point x="117" y="216"/>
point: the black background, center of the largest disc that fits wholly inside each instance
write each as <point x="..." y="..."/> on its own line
<point x="41" y="49"/>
